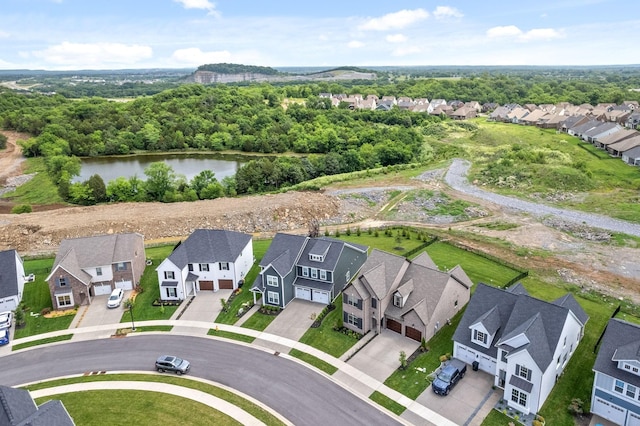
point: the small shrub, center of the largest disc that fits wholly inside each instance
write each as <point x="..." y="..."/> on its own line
<point x="403" y="360"/>
<point x="348" y="231"/>
<point x="21" y="208"/>
<point x="337" y="233"/>
<point x="45" y="311"/>
<point x="576" y="407"/>
<point x="326" y="233"/>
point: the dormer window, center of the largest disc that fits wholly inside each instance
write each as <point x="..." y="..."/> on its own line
<point x="631" y="368"/>
<point x="397" y="300"/>
<point x="316" y="257"/>
<point x="480" y="337"/>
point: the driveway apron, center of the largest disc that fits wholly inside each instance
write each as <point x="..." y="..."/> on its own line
<point x="294" y="320"/>
<point x="97" y="313"/>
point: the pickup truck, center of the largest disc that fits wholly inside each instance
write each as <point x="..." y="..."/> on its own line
<point x="450" y="374"/>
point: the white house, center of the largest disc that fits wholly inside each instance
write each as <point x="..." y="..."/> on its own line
<point x="12" y="280"/>
<point x="616" y="387"/>
<point x="208" y="259"/>
<point x="524" y="342"/>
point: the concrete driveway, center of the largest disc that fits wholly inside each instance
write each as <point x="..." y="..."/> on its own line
<point x="205" y="306"/>
<point x="97" y="313"/>
<point x="469" y="401"/>
<point x="295" y="319"/>
<point x="380" y="357"/>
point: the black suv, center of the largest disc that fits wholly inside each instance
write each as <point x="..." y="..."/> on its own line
<point x="172" y="363"/>
<point x="451" y="373"/>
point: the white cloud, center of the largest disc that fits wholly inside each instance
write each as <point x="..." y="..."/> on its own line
<point x="444" y="12"/>
<point x="194" y="56"/>
<point x="532" y="35"/>
<point x="404" y="51"/>
<point x="355" y="44"/>
<point x="396" y="38"/>
<point x="199" y="4"/>
<point x="4" y="34"/>
<point x="395" y="20"/>
<point x="93" y="55"/>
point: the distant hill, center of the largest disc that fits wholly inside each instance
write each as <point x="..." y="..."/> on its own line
<point x="224" y="68"/>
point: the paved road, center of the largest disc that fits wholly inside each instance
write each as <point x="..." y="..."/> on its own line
<point x="299" y="394"/>
<point x="456" y="177"/>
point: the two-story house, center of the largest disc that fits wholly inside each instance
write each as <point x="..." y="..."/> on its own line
<point x="315" y="269"/>
<point x="524" y="342"/>
<point x="94" y="266"/>
<point x="209" y="259"/>
<point x="11" y="280"/>
<point x="411" y="297"/>
<point x="616" y="387"/>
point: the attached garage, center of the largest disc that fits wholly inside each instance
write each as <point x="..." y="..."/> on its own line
<point x="319" y="296"/>
<point x="206" y="285"/>
<point x="468" y="355"/>
<point x="413" y="333"/>
<point x="101" y="289"/>
<point x="125" y="285"/>
<point x="609" y="411"/>
<point x="225" y="284"/>
<point x="394" y="325"/>
<point x="303" y="293"/>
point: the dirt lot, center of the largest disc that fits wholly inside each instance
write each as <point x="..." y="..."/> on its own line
<point x="610" y="269"/>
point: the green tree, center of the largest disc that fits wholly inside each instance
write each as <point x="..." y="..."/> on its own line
<point x="3" y="141"/>
<point x="97" y="187"/>
<point x="160" y="180"/>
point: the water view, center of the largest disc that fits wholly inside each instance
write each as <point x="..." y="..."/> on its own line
<point x="189" y="165"/>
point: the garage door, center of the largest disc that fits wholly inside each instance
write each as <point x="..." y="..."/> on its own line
<point x="413" y="333"/>
<point x="394" y="325"/>
<point x="225" y="284"/>
<point x="206" y="285"/>
<point x="303" y="293"/>
<point x="487" y="364"/>
<point x="100" y="289"/>
<point x="125" y="285"/>
<point x="633" y="419"/>
<point x="464" y="354"/>
<point x="609" y="411"/>
<point x="320" y="296"/>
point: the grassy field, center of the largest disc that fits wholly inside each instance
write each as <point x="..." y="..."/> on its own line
<point x="39" y="190"/>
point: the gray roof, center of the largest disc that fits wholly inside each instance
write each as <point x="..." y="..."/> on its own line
<point x="571" y="121"/>
<point x="17" y="408"/>
<point x="283" y="252"/>
<point x="209" y="246"/>
<point x="521" y="383"/>
<point x="380" y="271"/>
<point x="8" y="274"/>
<point x="584" y="127"/>
<point x="621" y="341"/>
<point x="542" y="322"/>
<point x="601" y="128"/>
<point x="330" y="248"/>
<point x="633" y="152"/>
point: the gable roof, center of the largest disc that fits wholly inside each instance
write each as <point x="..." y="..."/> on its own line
<point x="8" y="273"/>
<point x="618" y="136"/>
<point x="17" y="408"/>
<point x="209" y="246"/>
<point x="283" y="252"/>
<point x="380" y="271"/>
<point x="625" y="144"/>
<point x="620" y="341"/>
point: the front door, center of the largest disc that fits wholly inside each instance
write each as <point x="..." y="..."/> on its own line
<point x="502" y="376"/>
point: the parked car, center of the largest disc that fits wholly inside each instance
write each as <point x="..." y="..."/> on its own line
<point x="451" y="374"/>
<point x="5" y="319"/>
<point x="4" y="337"/>
<point x="172" y="363"/>
<point x="116" y="298"/>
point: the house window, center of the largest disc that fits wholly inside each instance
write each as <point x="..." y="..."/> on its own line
<point x="98" y="271"/>
<point x="564" y="345"/>
<point x="479" y="336"/>
<point x="272" y="280"/>
<point x="631" y="391"/>
<point x="62" y="281"/>
<point x="305" y="271"/>
<point x="397" y="300"/>
<point x="352" y="319"/>
<point x="273" y="298"/>
<point x="323" y="274"/>
<point x="374" y="303"/>
<point x="64" y="300"/>
<point x="224" y="266"/>
<point x="121" y="266"/>
<point x="204" y="267"/>
<point x="634" y="369"/>
<point x="523" y="372"/>
<point x="314" y="273"/>
<point x="455" y="304"/>
<point x="316" y="257"/>
<point x="618" y="386"/>
<point x="519" y="397"/>
<point x="169" y="275"/>
<point x="190" y="267"/>
<point x="172" y="292"/>
<point x="503" y="356"/>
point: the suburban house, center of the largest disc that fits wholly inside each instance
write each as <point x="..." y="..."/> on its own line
<point x="18" y="408"/>
<point x="208" y="260"/>
<point x="94" y="266"/>
<point x="300" y="267"/>
<point x="524" y="342"/>
<point x="11" y="280"/>
<point x="410" y="297"/>
<point x="616" y="387"/>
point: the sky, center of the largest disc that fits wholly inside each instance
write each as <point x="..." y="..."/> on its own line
<point x="130" y="34"/>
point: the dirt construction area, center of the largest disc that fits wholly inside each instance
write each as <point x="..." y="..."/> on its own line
<point x="582" y="261"/>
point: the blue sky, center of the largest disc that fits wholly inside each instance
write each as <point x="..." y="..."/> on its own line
<point x="116" y="34"/>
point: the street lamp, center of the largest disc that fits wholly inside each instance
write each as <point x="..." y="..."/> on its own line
<point x="129" y="304"/>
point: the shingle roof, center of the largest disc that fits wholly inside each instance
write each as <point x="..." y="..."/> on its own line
<point x="620" y="341"/>
<point x="17" y="408"/>
<point x="283" y="252"/>
<point x="210" y="246"/>
<point x="8" y="274"/>
<point x="381" y="270"/>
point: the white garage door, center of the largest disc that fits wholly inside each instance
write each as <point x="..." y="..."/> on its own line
<point x="303" y="293"/>
<point x="101" y="289"/>
<point x="464" y="354"/>
<point x="321" y="296"/>
<point x="487" y="364"/>
<point x="633" y="419"/>
<point x="609" y="411"/>
<point x="125" y="285"/>
<point x="7" y="304"/>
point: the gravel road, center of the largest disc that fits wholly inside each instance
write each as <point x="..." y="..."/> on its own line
<point x="456" y="177"/>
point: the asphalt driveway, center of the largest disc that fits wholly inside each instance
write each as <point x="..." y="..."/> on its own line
<point x="381" y="356"/>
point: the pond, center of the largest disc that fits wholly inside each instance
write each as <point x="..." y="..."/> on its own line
<point x="189" y="165"/>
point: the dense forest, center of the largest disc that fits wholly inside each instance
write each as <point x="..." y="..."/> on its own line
<point x="321" y="139"/>
<point x="224" y="68"/>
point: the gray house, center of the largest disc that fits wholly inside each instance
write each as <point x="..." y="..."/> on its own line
<point x="17" y="408"/>
<point x="299" y="267"/>
<point x="410" y="297"/>
<point x="11" y="280"/>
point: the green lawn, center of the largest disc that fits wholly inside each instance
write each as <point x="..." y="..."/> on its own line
<point x="41" y="342"/>
<point x="394" y="243"/>
<point x="39" y="190"/>
<point x="325" y="338"/>
<point x="258" y="321"/>
<point x="315" y="361"/>
<point x="231" y="335"/>
<point x="388" y="403"/>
